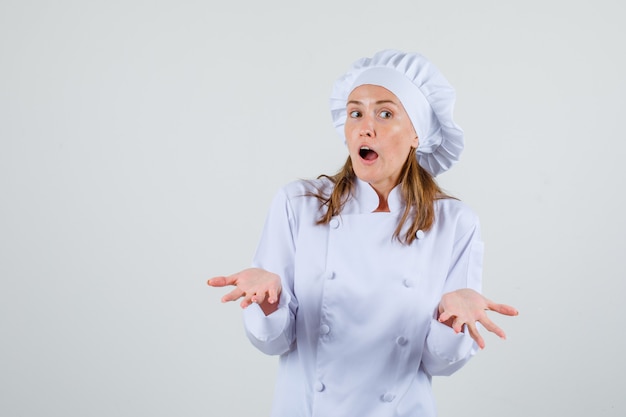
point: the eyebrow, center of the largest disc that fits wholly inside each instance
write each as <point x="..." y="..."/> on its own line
<point x="378" y="102"/>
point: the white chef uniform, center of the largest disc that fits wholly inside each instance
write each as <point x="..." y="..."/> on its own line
<point x="356" y="329"/>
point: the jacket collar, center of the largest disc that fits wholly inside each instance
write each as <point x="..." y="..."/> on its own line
<point x="365" y="199"/>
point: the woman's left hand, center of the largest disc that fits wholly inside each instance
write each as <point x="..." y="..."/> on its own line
<point x="466" y="307"/>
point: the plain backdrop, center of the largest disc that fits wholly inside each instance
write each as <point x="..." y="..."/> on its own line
<point x="142" y="141"/>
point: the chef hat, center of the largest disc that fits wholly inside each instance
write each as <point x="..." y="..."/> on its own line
<point x="426" y="95"/>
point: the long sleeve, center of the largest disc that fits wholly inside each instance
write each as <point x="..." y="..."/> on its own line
<point x="363" y="303"/>
<point x="274" y="334"/>
<point x="445" y="351"/>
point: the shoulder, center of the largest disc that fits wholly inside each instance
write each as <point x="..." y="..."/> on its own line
<point x="299" y="197"/>
<point x="453" y="213"/>
<point x="306" y="188"/>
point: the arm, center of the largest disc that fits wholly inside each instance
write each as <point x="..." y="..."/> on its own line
<point x="267" y="288"/>
<point x="454" y="338"/>
<point x="445" y="350"/>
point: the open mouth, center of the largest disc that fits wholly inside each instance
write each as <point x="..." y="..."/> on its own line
<point x="367" y="153"/>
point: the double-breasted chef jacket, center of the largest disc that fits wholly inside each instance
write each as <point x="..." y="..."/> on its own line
<point x="356" y="326"/>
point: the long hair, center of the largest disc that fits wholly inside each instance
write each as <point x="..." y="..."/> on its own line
<point x="419" y="191"/>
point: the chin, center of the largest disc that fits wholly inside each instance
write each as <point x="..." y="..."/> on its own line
<point x="363" y="176"/>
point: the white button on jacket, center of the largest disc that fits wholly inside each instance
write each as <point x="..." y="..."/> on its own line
<point x="370" y="333"/>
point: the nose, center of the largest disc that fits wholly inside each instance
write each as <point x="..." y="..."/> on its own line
<point x="367" y="127"/>
<point x="366" y="132"/>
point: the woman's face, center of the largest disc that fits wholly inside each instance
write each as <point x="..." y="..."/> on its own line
<point x="379" y="135"/>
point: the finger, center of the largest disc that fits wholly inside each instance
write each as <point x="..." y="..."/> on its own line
<point x="233" y="295"/>
<point x="258" y="298"/>
<point x="445" y="316"/>
<point x="505" y="309"/>
<point x="457" y="325"/>
<point x="216" y="282"/>
<point x="272" y="296"/>
<point x="475" y="334"/>
<point x="492" y="327"/>
<point x="246" y="302"/>
<point x="221" y="281"/>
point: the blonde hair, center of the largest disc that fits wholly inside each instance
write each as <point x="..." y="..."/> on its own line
<point x="419" y="191"/>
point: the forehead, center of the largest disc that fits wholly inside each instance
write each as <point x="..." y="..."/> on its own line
<point x="371" y="92"/>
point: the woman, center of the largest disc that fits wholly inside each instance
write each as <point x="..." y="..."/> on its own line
<point x="366" y="283"/>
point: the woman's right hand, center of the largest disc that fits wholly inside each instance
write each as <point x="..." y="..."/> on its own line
<point x="254" y="285"/>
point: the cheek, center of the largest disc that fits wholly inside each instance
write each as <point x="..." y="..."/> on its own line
<point x="406" y="140"/>
<point x="352" y="141"/>
<point x="349" y="131"/>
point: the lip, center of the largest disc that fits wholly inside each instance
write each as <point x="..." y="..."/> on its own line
<point x="367" y="161"/>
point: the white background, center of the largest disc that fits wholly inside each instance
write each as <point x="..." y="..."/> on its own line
<point x="141" y="143"/>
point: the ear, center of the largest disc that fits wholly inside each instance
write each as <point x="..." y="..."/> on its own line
<point x="415" y="143"/>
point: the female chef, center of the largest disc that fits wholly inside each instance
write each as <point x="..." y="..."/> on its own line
<point x="367" y="282"/>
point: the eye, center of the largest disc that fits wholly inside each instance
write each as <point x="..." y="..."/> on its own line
<point x="355" y="113"/>
<point x="385" y="114"/>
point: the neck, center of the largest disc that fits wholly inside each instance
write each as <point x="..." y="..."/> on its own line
<point x="383" y="203"/>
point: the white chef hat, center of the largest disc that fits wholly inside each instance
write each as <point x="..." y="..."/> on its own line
<point x="426" y="95"/>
